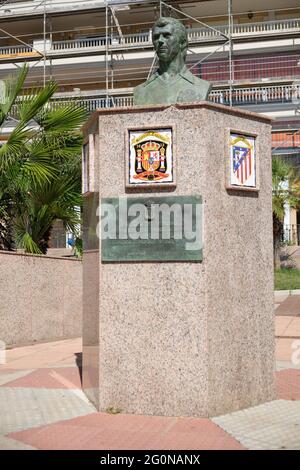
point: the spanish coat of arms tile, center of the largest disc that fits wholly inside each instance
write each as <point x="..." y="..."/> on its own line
<point x="150" y="157"/>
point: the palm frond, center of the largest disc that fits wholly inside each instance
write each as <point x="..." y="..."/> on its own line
<point x="12" y="87"/>
<point x="64" y="191"/>
<point x="33" y="102"/>
<point x="25" y="241"/>
<point x="14" y="147"/>
<point x="286" y="187"/>
<point x="62" y="146"/>
<point x="64" y="118"/>
<point x="38" y="171"/>
<point x="40" y="167"/>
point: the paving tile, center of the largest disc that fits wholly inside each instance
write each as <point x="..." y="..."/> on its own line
<point x="43" y="355"/>
<point x="6" y="443"/>
<point x="22" y="408"/>
<point x="288" y="384"/>
<point x="198" y="434"/>
<point x="282" y="365"/>
<point x="104" y="431"/>
<point x="273" y="437"/>
<point x="9" y="375"/>
<point x="281" y="295"/>
<point x="284" y="349"/>
<point x="289" y="306"/>
<point x="67" y="362"/>
<point x="273" y="425"/>
<point x="45" y="408"/>
<point x="36" y="361"/>
<point x="293" y="328"/>
<point x="281" y="324"/>
<point x="63" y="377"/>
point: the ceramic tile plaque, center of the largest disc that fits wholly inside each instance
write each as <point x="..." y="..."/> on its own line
<point x="151" y="228"/>
<point x="243" y="161"/>
<point x="150" y="159"/>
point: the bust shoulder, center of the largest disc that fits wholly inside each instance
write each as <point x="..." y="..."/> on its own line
<point x="140" y="90"/>
<point x="199" y="84"/>
<point x="147" y="82"/>
<point x="203" y="84"/>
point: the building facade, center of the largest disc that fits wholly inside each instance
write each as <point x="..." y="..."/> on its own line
<point x="98" y="51"/>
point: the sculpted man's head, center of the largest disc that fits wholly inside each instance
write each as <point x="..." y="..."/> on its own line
<point x="172" y="82"/>
<point x="169" y="38"/>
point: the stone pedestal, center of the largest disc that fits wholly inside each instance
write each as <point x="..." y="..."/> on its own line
<point x="205" y="345"/>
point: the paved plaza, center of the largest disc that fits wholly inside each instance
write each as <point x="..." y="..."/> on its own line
<point x="42" y="405"/>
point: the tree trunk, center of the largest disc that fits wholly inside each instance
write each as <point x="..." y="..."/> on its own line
<point x="6" y="229"/>
<point x="43" y="243"/>
<point x="277" y="240"/>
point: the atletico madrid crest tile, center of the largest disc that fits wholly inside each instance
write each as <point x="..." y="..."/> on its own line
<point x="242" y="161"/>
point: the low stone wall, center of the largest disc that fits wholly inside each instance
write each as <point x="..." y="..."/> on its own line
<point x="41" y="298"/>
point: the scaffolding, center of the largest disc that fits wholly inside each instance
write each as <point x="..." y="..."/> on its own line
<point x="42" y="55"/>
<point x="111" y="8"/>
<point x="115" y="71"/>
<point x="110" y="13"/>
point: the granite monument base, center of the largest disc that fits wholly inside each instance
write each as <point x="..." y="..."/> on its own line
<point x="182" y="338"/>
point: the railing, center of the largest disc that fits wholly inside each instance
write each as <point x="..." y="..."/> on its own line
<point x="242" y="96"/>
<point x="91" y="104"/>
<point x="16" y="50"/>
<point x="75" y="44"/>
<point x="291" y="234"/>
<point x="115" y="42"/>
<point x="258" y="95"/>
<point x="195" y="35"/>
<point x="246" y="30"/>
<point x="141" y="39"/>
<point x="132" y="39"/>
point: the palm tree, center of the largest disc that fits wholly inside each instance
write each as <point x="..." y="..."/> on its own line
<point x="40" y="176"/>
<point x="286" y="191"/>
<point x="42" y="205"/>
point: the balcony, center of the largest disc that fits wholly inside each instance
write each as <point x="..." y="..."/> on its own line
<point x="31" y="8"/>
<point x="18" y="52"/>
<point x="258" y="95"/>
<point x="240" y="97"/>
<point x="195" y="35"/>
<point x="143" y="40"/>
<point x="247" y="30"/>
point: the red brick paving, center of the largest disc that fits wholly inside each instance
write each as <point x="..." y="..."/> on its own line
<point x="288" y="384"/>
<point x="288" y="381"/>
<point x="58" y="377"/>
<point x="112" y="432"/>
<point x="120" y="432"/>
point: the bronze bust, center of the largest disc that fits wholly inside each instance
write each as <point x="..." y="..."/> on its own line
<point x="173" y="82"/>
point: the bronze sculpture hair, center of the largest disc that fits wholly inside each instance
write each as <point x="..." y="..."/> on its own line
<point x="178" y="26"/>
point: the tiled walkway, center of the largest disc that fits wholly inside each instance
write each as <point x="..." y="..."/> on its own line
<point x="42" y="407"/>
<point x="287" y="326"/>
